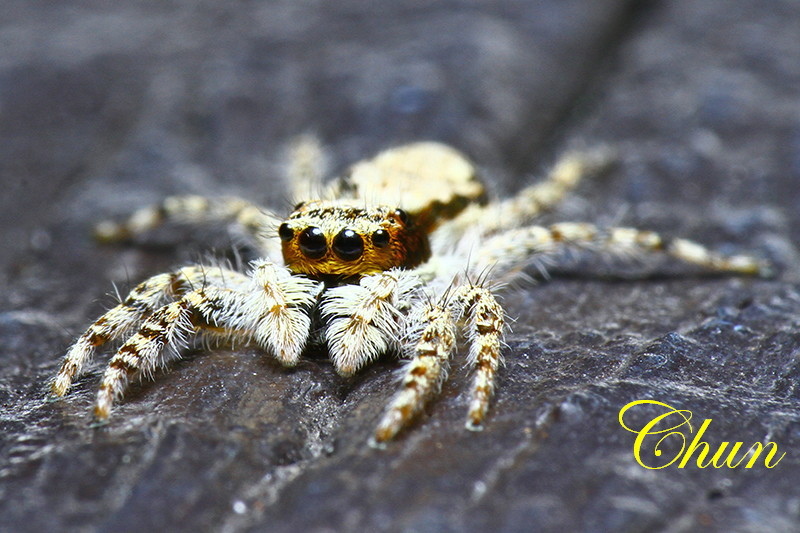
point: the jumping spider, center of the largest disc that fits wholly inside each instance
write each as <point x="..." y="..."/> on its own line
<point x="390" y="258"/>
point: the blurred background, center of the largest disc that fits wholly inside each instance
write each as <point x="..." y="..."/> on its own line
<point x="105" y="108"/>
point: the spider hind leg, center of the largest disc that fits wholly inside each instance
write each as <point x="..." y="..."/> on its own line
<point x="244" y="220"/>
<point x="544" y="245"/>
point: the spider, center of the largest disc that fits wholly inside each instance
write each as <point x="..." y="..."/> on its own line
<point x="393" y="256"/>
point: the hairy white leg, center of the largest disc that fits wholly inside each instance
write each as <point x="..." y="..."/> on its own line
<point x="484" y="330"/>
<point x="243" y="217"/>
<point x="137" y="305"/>
<point x="161" y="338"/>
<point x="424" y="372"/>
<point x="534" y="200"/>
<point x="367" y="319"/>
<point x="519" y="247"/>
<point x="276" y="309"/>
<point x="427" y="368"/>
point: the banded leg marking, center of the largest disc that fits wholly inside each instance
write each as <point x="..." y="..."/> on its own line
<point x="424" y="373"/>
<point x="484" y="330"/>
<point x="245" y="218"/>
<point x="138" y="304"/>
<point x="160" y="339"/>
<point x="542" y="243"/>
<point x="538" y="198"/>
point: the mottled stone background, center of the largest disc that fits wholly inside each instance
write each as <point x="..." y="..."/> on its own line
<point x="105" y="107"/>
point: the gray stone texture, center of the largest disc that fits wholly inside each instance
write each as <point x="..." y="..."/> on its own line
<point x="105" y="107"/>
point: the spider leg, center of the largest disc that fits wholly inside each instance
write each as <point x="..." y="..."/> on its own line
<point x="484" y="330"/>
<point x="276" y="309"/>
<point x="506" y="251"/>
<point x="367" y="319"/>
<point x="141" y="302"/>
<point x="244" y="218"/>
<point x="424" y="372"/>
<point x="427" y="368"/>
<point x="161" y="338"/>
<point x="269" y="306"/>
<point x="535" y="199"/>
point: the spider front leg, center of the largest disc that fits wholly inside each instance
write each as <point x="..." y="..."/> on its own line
<point x="367" y="319"/>
<point x="484" y="330"/>
<point x="140" y="303"/>
<point x="276" y="310"/>
<point x="427" y="368"/>
<point x="161" y="338"/>
<point x="423" y="374"/>
<point x="270" y="306"/>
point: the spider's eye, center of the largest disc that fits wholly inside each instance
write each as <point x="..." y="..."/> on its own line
<point x="312" y="243"/>
<point x="402" y="215"/>
<point x="285" y="232"/>
<point x="380" y="238"/>
<point x="348" y="245"/>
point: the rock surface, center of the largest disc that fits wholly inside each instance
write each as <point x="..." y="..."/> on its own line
<point x="106" y="108"/>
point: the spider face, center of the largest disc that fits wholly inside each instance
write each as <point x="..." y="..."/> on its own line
<point x="339" y="240"/>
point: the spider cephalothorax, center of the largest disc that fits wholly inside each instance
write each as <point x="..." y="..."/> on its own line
<point x="392" y="257"/>
<point x="335" y="239"/>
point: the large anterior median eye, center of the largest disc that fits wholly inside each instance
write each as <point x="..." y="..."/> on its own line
<point x="348" y="245"/>
<point x="312" y="243"/>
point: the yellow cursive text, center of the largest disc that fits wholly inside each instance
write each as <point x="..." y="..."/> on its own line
<point x="670" y="430"/>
